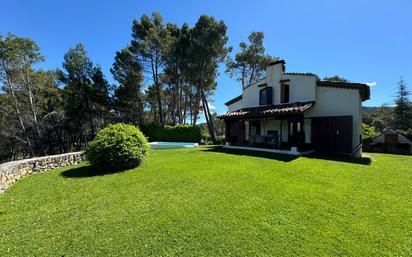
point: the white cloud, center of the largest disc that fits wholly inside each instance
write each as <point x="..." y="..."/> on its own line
<point x="371" y="84"/>
<point x="211" y="107"/>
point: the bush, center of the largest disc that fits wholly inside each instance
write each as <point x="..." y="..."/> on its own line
<point x="178" y="133"/>
<point x="406" y="133"/>
<point x="220" y="140"/>
<point x="368" y="132"/>
<point x="117" y="147"/>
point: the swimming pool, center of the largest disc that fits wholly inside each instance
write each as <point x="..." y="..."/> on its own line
<point x="172" y="145"/>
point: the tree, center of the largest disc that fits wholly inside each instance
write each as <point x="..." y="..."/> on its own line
<point x="150" y="41"/>
<point x="403" y="109"/>
<point x="129" y="101"/>
<point x="368" y="132"/>
<point x="128" y="98"/>
<point x="209" y="49"/>
<point x="380" y="117"/>
<point x="336" y="78"/>
<point x="86" y="96"/>
<point x="249" y="65"/>
<point x="25" y="89"/>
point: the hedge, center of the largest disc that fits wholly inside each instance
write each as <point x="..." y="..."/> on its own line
<point x="167" y="133"/>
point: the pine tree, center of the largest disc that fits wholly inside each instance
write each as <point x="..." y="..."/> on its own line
<point x="403" y="109"/>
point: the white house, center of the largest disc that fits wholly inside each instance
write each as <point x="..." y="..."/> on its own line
<point x="298" y="112"/>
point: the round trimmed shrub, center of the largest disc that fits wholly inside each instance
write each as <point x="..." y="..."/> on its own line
<point x="117" y="147"/>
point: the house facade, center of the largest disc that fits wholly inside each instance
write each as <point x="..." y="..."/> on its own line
<point x="297" y="112"/>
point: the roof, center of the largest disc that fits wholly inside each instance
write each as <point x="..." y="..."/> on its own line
<point x="269" y="110"/>
<point x="381" y="137"/>
<point x="363" y="88"/>
<point x="300" y="74"/>
<point x="277" y="62"/>
<point x="234" y="100"/>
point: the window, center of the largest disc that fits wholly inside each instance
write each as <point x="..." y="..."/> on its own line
<point x="284" y="93"/>
<point x="265" y="96"/>
<point x="298" y="128"/>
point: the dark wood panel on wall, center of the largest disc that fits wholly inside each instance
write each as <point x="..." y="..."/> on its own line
<point x="332" y="134"/>
<point x="236" y="132"/>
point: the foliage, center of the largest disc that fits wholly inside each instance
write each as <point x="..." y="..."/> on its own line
<point x="150" y="41"/>
<point x="205" y="202"/>
<point x="336" y="78"/>
<point x="30" y="99"/>
<point x="406" y="133"/>
<point x="403" y="108"/>
<point x="219" y="128"/>
<point x="249" y="65"/>
<point x="177" y="133"/>
<point x="117" y="147"/>
<point x="209" y="49"/>
<point x="128" y="97"/>
<point x="368" y="132"/>
<point x="380" y="118"/>
<point x="86" y="95"/>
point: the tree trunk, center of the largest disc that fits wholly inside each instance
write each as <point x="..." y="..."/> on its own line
<point x="209" y="118"/>
<point x="179" y="101"/>
<point x="19" y="116"/>
<point x="155" y="72"/>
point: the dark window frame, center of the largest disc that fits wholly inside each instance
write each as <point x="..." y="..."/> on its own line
<point x="267" y="98"/>
<point x="284" y="93"/>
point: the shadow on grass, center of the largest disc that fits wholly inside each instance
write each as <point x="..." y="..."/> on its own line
<point x="273" y="156"/>
<point x="84" y="172"/>
<point x="341" y="158"/>
<point x="289" y="158"/>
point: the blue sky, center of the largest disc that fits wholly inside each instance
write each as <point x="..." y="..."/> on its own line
<point x="363" y="41"/>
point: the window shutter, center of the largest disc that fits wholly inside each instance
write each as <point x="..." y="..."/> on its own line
<point x="262" y="97"/>
<point x="269" y="95"/>
<point x="284" y="93"/>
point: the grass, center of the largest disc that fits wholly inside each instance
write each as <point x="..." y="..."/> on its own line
<point x="211" y="202"/>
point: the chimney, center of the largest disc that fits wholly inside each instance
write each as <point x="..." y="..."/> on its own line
<point x="275" y="70"/>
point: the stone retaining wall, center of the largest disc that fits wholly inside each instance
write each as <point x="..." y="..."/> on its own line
<point x="10" y="172"/>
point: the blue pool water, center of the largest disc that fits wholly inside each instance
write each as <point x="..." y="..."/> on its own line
<point x="172" y="145"/>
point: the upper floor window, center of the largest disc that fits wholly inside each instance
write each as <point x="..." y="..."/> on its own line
<point x="284" y="93"/>
<point x="265" y="96"/>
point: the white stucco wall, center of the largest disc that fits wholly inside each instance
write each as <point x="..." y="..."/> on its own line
<point x="307" y="128"/>
<point x="271" y="124"/>
<point x="235" y="106"/>
<point x="301" y="88"/>
<point x="339" y="102"/>
<point x="250" y="96"/>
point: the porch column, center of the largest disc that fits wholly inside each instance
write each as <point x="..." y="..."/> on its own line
<point x="227" y="135"/>
<point x="280" y="138"/>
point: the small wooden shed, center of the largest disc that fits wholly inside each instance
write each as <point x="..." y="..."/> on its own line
<point x="389" y="141"/>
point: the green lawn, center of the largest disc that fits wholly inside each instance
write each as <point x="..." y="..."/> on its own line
<point x="209" y="202"/>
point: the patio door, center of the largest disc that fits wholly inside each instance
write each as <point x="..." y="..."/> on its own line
<point x="295" y="132"/>
<point x="255" y="127"/>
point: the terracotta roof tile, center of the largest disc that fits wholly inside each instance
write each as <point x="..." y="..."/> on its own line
<point x="269" y="110"/>
<point x="300" y="73"/>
